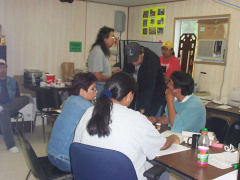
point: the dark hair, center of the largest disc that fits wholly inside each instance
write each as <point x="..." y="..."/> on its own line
<point x="119" y="85"/>
<point x="82" y="81"/>
<point x="103" y="34"/>
<point x="183" y="81"/>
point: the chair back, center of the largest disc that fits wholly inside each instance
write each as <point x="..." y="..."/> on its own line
<point x="89" y="162"/>
<point x="219" y="126"/>
<point x="234" y="134"/>
<point x="48" y="98"/>
<point x="31" y="157"/>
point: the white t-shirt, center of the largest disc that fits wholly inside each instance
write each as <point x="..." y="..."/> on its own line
<point x="131" y="133"/>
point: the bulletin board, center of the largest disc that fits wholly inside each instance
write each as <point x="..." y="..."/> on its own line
<point x="153" y="21"/>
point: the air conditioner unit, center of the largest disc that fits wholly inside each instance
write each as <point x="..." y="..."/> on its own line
<point x="211" y="49"/>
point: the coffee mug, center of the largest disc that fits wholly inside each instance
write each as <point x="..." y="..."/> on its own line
<point x="194" y="138"/>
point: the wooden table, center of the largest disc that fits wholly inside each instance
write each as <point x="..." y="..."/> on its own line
<point x="183" y="164"/>
<point x="232" y="114"/>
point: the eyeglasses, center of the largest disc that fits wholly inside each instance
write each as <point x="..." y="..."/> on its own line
<point x="113" y="37"/>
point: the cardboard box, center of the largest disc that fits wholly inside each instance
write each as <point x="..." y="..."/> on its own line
<point x="212" y="29"/>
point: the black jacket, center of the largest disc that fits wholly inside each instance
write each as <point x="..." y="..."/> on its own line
<point x="151" y="85"/>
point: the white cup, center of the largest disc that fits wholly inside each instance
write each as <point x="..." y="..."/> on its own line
<point x="43" y="84"/>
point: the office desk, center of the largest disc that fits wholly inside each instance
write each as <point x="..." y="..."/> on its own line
<point x="183" y="164"/>
<point x="232" y="114"/>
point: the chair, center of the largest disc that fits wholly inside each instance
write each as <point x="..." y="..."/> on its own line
<point x="89" y="162"/>
<point x="40" y="167"/>
<point x="219" y="126"/>
<point x="234" y="134"/>
<point x="47" y="100"/>
<point x="17" y="116"/>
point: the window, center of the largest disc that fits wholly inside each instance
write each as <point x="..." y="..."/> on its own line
<point x="212" y="30"/>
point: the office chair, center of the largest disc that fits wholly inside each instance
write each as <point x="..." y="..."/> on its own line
<point x="219" y="126"/>
<point x="40" y="167"/>
<point x="234" y="134"/>
<point x="48" y="104"/>
<point x="89" y="162"/>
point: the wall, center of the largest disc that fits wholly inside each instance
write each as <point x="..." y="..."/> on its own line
<point x="219" y="79"/>
<point x="38" y="32"/>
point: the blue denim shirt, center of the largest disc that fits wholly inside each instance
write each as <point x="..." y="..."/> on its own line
<point x="64" y="127"/>
<point x="11" y="87"/>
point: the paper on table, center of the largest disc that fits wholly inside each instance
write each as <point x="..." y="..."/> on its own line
<point x="223" y="160"/>
<point x="224" y="107"/>
<point x="173" y="149"/>
<point x="230" y="175"/>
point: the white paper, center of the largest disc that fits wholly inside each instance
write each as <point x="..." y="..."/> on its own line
<point x="230" y="175"/>
<point x="173" y="149"/>
<point x="224" y="107"/>
<point x="223" y="160"/>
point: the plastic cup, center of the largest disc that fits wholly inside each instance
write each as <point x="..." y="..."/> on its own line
<point x="50" y="78"/>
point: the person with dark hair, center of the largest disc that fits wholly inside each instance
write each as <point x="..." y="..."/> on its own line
<point x="169" y="62"/>
<point x="184" y="110"/>
<point x="83" y="92"/>
<point x="97" y="59"/>
<point x="10" y="103"/>
<point x="111" y="125"/>
<point x="145" y="66"/>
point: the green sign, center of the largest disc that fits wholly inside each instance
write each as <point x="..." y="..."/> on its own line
<point x="75" y="46"/>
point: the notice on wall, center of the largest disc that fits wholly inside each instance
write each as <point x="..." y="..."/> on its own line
<point x="153" y="20"/>
<point x="75" y="46"/>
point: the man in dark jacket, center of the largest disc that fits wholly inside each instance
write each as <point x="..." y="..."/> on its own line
<point x="145" y="66"/>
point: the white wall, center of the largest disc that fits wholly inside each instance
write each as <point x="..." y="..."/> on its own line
<point x="38" y="32"/>
<point x="213" y="80"/>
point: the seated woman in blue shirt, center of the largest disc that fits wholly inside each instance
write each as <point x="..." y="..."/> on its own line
<point x="83" y="91"/>
<point x="184" y="110"/>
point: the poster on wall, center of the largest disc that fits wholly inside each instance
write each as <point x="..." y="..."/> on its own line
<point x="153" y="20"/>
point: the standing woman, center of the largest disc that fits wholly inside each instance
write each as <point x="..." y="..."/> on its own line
<point x="112" y="125"/>
<point x="98" y="62"/>
<point x="83" y="91"/>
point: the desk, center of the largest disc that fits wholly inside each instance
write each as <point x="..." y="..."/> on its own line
<point x="232" y="114"/>
<point x="183" y="164"/>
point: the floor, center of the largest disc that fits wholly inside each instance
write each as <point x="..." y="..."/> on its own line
<point x="13" y="166"/>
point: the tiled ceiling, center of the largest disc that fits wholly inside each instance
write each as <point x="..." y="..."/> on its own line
<point x="130" y="3"/>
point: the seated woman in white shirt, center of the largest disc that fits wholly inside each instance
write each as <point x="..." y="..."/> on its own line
<point x="111" y="125"/>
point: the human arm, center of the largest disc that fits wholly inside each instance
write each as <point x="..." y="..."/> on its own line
<point x="173" y="139"/>
<point x="170" y="105"/>
<point x="116" y="71"/>
<point x="163" y="119"/>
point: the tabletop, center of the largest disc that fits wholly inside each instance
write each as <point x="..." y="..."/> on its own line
<point x="183" y="164"/>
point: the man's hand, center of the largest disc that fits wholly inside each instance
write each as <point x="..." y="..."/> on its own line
<point x="169" y="95"/>
<point x="142" y="111"/>
<point x="152" y="119"/>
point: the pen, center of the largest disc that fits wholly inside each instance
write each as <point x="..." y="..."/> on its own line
<point x="235" y="165"/>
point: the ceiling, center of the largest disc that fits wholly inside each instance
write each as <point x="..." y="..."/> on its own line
<point x="130" y="3"/>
